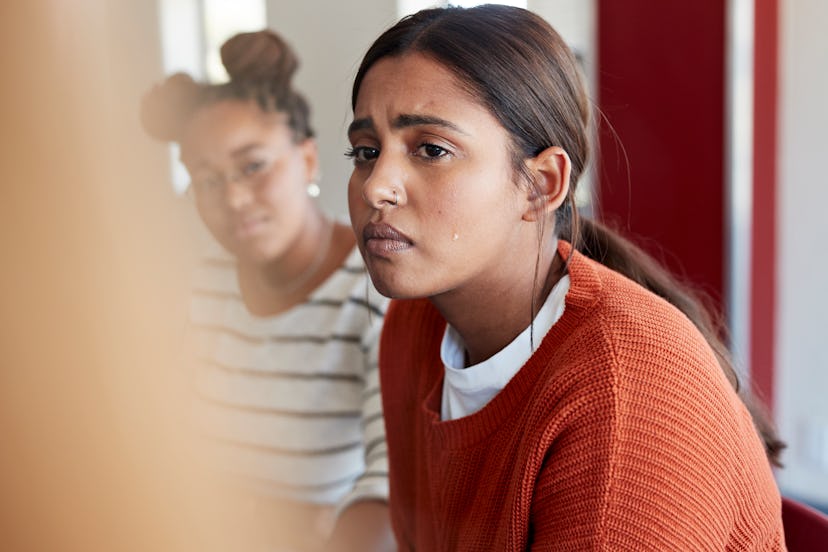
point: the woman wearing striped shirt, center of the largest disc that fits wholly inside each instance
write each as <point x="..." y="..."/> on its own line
<point x="285" y="321"/>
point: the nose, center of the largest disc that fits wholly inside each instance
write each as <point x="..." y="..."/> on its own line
<point x="384" y="186"/>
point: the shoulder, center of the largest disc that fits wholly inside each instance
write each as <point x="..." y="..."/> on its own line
<point x="634" y="320"/>
<point x="652" y="363"/>
<point x="640" y="393"/>
<point x="665" y="378"/>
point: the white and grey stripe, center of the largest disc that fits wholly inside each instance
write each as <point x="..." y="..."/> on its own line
<point x="290" y="403"/>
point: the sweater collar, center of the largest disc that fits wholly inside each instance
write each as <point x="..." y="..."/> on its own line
<point x="584" y="293"/>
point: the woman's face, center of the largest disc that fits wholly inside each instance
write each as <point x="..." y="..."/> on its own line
<point x="249" y="177"/>
<point x="433" y="196"/>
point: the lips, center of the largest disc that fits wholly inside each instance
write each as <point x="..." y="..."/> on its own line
<point x="248" y="226"/>
<point x="383" y="240"/>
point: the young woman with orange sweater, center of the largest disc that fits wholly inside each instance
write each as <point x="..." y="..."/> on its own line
<point x="546" y="385"/>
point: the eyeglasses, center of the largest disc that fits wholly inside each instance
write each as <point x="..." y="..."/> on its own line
<point x="214" y="184"/>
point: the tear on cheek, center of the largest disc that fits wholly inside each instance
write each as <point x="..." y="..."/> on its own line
<point x="455" y="237"/>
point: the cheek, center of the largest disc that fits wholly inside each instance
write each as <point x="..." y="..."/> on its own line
<point x="285" y="192"/>
<point x="453" y="214"/>
<point x="213" y="216"/>
<point x="474" y="223"/>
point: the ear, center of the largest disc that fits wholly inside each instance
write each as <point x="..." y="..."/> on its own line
<point x="550" y="170"/>
<point x="310" y="154"/>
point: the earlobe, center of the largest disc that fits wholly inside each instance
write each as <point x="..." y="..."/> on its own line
<point x="550" y="170"/>
<point x="310" y="153"/>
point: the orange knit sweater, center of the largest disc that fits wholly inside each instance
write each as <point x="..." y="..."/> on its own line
<point x="620" y="433"/>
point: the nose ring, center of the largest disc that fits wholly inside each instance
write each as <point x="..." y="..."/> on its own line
<point x="395" y="197"/>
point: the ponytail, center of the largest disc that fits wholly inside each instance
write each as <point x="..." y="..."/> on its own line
<point x="608" y="247"/>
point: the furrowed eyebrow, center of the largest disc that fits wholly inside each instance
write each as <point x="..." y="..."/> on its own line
<point x="360" y="124"/>
<point x="405" y="120"/>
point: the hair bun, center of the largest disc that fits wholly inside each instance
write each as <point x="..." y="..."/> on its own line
<point x="259" y="56"/>
<point x="167" y="106"/>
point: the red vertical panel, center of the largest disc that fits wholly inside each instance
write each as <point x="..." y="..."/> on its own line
<point x="661" y="88"/>
<point x="763" y="247"/>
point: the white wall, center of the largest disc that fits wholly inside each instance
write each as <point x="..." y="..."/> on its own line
<point x="802" y="352"/>
<point x="330" y="39"/>
<point x="575" y="21"/>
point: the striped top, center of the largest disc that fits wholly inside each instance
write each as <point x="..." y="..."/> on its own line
<point x="289" y="404"/>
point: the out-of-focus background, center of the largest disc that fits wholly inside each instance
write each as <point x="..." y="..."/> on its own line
<point x="711" y="152"/>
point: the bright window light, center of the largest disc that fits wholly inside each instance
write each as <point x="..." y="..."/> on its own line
<point x="223" y="19"/>
<point x="192" y="31"/>
<point x="181" y="36"/>
<point x="406" y="7"/>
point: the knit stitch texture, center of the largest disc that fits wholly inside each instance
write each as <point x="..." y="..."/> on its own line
<point x="621" y="432"/>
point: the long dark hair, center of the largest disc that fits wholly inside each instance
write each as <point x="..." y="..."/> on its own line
<point x="527" y="77"/>
<point x="261" y="66"/>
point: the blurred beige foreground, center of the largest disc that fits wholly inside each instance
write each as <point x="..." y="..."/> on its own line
<point x="93" y="452"/>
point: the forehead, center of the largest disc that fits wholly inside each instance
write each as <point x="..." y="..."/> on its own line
<point x="219" y="128"/>
<point x="412" y="83"/>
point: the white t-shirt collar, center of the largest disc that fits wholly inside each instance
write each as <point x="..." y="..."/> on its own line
<point x="467" y="389"/>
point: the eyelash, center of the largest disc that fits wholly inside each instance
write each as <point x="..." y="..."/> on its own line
<point x="426" y="146"/>
<point x="357" y="153"/>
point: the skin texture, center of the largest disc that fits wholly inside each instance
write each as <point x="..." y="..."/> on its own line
<point x="432" y="163"/>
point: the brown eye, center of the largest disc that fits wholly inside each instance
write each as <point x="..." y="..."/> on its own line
<point x="431" y="151"/>
<point x="362" y="154"/>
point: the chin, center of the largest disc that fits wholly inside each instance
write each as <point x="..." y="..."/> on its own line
<point x="255" y="253"/>
<point x="383" y="287"/>
<point x="400" y="282"/>
<point x="398" y="289"/>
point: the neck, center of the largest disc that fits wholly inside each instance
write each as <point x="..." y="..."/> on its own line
<point x="302" y="261"/>
<point x="493" y="315"/>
